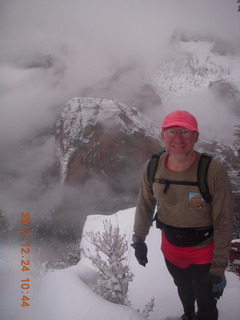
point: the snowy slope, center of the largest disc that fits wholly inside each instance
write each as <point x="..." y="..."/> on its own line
<point x="63" y="295"/>
<point x="154" y="279"/>
<point x="55" y="295"/>
<point x="67" y="294"/>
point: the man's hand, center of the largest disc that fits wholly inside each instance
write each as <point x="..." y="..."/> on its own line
<point x="141" y="252"/>
<point x="218" y="284"/>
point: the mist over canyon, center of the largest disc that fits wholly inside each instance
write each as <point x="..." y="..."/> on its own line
<point x="84" y="87"/>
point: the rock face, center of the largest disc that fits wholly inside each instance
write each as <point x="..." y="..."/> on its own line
<point x="225" y="153"/>
<point x="234" y="256"/>
<point x="229" y="158"/>
<point x="103" y="138"/>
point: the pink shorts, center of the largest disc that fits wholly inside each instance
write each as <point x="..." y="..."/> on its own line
<point x="183" y="257"/>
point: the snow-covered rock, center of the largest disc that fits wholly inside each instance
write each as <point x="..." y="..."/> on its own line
<point x="100" y="137"/>
<point x="234" y="256"/>
<point x="194" y="63"/>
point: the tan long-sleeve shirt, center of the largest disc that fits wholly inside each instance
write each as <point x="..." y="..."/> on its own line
<point x="182" y="206"/>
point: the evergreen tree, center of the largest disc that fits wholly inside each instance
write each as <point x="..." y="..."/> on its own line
<point x="110" y="260"/>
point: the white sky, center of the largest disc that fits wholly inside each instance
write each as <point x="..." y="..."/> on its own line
<point x="87" y="38"/>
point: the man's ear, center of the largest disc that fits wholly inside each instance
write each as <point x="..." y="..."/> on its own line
<point x="162" y="134"/>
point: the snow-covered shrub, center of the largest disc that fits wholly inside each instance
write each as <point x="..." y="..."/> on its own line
<point x="148" y="308"/>
<point x="111" y="261"/>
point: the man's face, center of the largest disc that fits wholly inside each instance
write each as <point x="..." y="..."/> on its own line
<point x="179" y="142"/>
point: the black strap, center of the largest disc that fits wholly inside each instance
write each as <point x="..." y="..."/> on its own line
<point x="152" y="166"/>
<point x="168" y="182"/>
<point x="203" y="166"/>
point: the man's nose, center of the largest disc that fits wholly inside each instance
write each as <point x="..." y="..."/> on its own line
<point x="179" y="135"/>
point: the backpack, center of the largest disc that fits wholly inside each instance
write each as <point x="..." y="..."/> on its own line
<point x="201" y="182"/>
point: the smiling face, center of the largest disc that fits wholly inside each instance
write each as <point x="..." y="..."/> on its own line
<point x="179" y="142"/>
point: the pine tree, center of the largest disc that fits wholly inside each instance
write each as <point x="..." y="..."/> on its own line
<point x="111" y="262"/>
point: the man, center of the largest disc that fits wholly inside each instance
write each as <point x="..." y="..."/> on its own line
<point x="196" y="234"/>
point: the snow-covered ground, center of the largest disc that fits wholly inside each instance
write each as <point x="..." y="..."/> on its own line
<point x="67" y="294"/>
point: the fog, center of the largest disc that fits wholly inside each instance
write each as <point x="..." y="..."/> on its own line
<point x="54" y="50"/>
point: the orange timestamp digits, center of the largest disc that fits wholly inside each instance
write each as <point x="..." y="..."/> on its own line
<point x="25" y="261"/>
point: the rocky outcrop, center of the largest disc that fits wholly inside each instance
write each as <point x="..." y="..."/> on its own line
<point x="224" y="90"/>
<point x="195" y="63"/>
<point x="103" y="138"/>
<point x="229" y="158"/>
<point x="227" y="155"/>
<point x="234" y="256"/>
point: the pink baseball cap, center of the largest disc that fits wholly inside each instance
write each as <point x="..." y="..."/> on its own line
<point x="180" y="118"/>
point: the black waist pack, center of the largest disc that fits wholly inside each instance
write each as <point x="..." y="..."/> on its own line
<point x="185" y="237"/>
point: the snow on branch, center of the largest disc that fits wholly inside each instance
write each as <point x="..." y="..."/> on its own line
<point x="111" y="262"/>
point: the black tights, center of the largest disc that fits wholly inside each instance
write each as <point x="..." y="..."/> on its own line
<point x="192" y="286"/>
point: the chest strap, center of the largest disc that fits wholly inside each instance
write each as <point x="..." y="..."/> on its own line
<point x="168" y="182"/>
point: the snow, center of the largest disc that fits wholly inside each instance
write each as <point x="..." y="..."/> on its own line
<point x="236" y="241"/>
<point x="236" y="262"/>
<point x="80" y="116"/>
<point x="67" y="294"/>
<point x="63" y="295"/>
<point x="193" y="67"/>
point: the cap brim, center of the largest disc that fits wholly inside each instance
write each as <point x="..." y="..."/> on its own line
<point x="180" y="124"/>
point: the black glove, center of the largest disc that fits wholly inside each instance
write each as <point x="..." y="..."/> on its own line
<point x="218" y="284"/>
<point x="141" y="252"/>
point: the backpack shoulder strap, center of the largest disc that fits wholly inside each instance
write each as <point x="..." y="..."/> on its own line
<point x="152" y="166"/>
<point x="202" y="170"/>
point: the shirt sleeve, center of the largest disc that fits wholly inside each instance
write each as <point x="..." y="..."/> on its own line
<point x="222" y="216"/>
<point x="144" y="208"/>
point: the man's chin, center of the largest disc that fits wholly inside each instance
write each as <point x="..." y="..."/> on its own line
<point x="178" y="156"/>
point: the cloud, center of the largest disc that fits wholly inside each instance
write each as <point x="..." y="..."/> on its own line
<point x="85" y="39"/>
<point x="216" y="122"/>
<point x="52" y="50"/>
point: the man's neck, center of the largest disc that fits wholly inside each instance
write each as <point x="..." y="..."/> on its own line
<point x="179" y="164"/>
